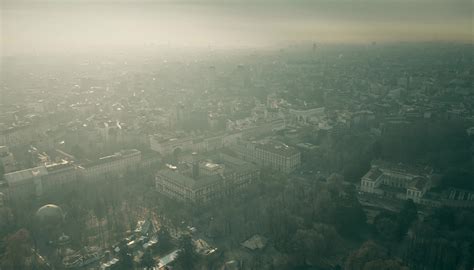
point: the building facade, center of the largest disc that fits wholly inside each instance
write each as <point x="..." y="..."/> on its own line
<point x="206" y="180"/>
<point x="25" y="183"/>
<point x="397" y="182"/>
<point x="274" y="155"/>
<point x="114" y="165"/>
<point x="7" y="160"/>
<point x="167" y="145"/>
<point x="61" y="175"/>
<point x="40" y="180"/>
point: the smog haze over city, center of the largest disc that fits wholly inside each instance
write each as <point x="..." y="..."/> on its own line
<point x="70" y="25"/>
<point x="236" y="134"/>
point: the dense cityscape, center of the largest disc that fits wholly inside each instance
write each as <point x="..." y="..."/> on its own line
<point x="236" y="135"/>
<point x="311" y="156"/>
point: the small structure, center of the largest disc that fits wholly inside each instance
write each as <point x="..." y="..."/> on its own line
<point x="255" y="242"/>
<point x="49" y="221"/>
<point x="231" y="265"/>
<point x="168" y="259"/>
<point x="63" y="240"/>
<point x="50" y="214"/>
<point x="145" y="227"/>
<point x="79" y="259"/>
<point x="110" y="264"/>
<point x="203" y="248"/>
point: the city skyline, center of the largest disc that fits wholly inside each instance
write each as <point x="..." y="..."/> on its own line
<point x="70" y="26"/>
<point x="236" y="134"/>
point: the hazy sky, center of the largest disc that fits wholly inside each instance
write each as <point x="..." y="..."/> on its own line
<point x="49" y="25"/>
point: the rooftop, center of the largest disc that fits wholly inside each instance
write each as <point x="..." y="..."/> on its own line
<point x="19" y="176"/>
<point x="401" y="168"/>
<point x="53" y="167"/>
<point x="255" y="242"/>
<point x="169" y="258"/>
<point x="418" y="183"/>
<point x="278" y="148"/>
<point x="373" y="174"/>
<point x="180" y="177"/>
<point x="117" y="156"/>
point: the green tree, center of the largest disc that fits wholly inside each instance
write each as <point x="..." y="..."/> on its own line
<point x="386" y="226"/>
<point x="388" y="264"/>
<point x="125" y="257"/>
<point x="442" y="240"/>
<point x="147" y="261"/>
<point x="2" y="170"/>
<point x="17" y="250"/>
<point x="348" y="217"/>
<point x="368" y="252"/>
<point x="187" y="256"/>
<point x="164" y="239"/>
<point x="77" y="151"/>
<point x="310" y="245"/>
<point x="408" y="214"/>
<point x="100" y="211"/>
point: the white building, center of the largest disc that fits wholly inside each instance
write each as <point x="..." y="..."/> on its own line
<point x="396" y="181"/>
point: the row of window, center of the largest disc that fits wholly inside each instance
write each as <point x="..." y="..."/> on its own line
<point x="172" y="188"/>
<point x="414" y="193"/>
<point x="368" y="184"/>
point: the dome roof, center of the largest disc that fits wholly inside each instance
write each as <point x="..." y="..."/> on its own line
<point x="50" y="213"/>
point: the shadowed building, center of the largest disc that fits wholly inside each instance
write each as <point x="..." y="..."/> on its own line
<point x="206" y="180"/>
<point x="275" y="155"/>
<point x="396" y="181"/>
<point x="112" y="166"/>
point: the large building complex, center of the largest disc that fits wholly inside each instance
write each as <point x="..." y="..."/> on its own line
<point x="271" y="154"/>
<point x="204" y="180"/>
<point x="403" y="182"/>
<point x="52" y="177"/>
<point x="25" y="183"/>
<point x="60" y="175"/>
<point x="112" y="166"/>
<point x="306" y="116"/>
<point x="396" y="181"/>
<point x="17" y="135"/>
<point x="169" y="144"/>
<point x="47" y="178"/>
